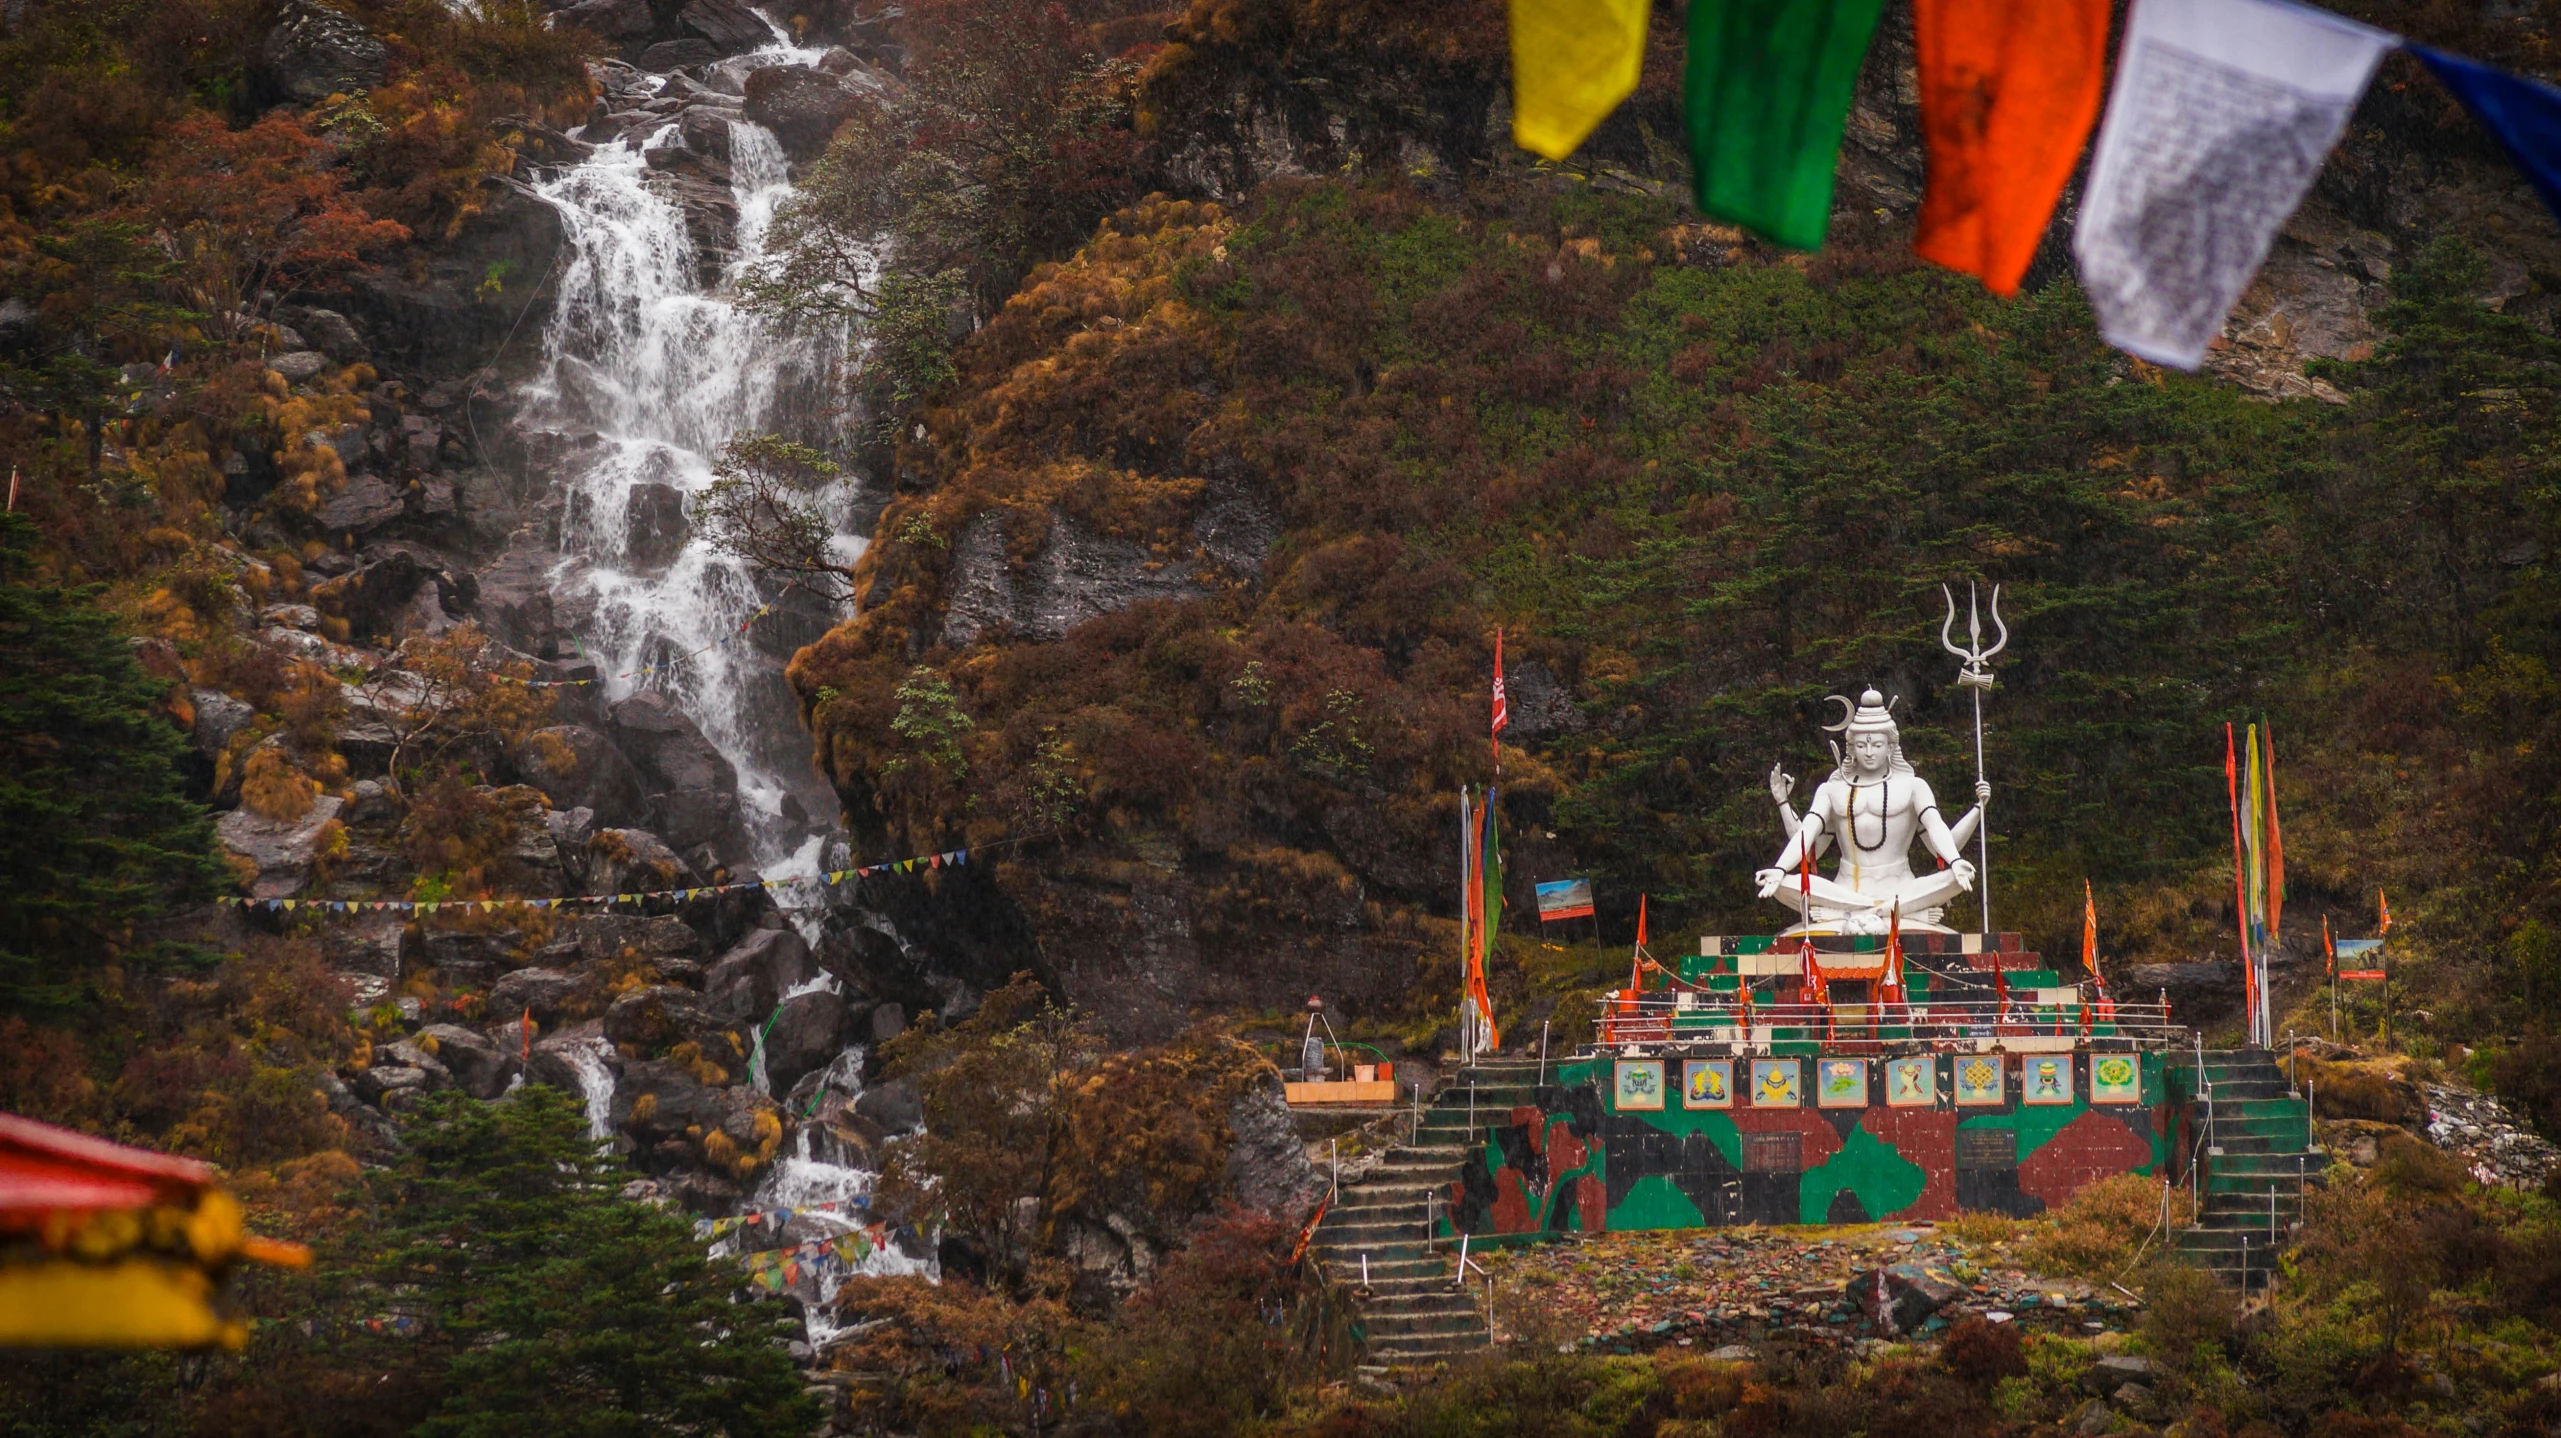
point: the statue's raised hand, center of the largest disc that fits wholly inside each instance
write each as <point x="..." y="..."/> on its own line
<point x="1982" y="793"/>
<point x="1782" y="783"/>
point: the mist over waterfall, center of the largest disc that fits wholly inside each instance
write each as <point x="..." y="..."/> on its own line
<point x="649" y="368"/>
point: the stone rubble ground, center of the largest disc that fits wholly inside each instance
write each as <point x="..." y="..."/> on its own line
<point x="1754" y="1286"/>
<point x="2479" y="1129"/>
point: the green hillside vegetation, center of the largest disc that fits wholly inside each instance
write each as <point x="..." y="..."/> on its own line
<point x="1704" y="485"/>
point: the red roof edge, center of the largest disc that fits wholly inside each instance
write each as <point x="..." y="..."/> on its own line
<point x="27" y="1137"/>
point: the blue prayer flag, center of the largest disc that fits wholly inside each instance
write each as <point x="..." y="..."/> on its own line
<point x="2524" y="114"/>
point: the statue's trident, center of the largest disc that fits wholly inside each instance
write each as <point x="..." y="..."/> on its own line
<point x="1977" y="676"/>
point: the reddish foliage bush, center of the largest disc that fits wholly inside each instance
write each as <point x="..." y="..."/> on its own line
<point x="1983" y="1353"/>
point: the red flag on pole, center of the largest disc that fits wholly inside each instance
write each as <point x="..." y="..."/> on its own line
<point x="1502" y="704"/>
<point x="2329" y="947"/>
<point x="2001" y="985"/>
<point x="2240" y="879"/>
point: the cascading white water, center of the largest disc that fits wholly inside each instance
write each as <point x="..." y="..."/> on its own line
<point x="649" y="373"/>
<point x="595" y="1085"/>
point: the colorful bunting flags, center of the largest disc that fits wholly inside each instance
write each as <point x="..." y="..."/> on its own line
<point x="1573" y="61"/>
<point x="426" y="907"/>
<point x="2524" y="114"/>
<point x="1765" y="100"/>
<point x="2222" y="113"/>
<point x="2009" y="90"/>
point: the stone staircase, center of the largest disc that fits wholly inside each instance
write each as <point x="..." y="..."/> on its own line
<point x="2253" y="1189"/>
<point x="1417" y="1313"/>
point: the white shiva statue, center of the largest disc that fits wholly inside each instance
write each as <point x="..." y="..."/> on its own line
<point x="1870" y="810"/>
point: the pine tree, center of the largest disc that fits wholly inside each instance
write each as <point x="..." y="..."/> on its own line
<point x="96" y="832"/>
<point x="554" y="1305"/>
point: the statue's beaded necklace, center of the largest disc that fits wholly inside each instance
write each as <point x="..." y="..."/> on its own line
<point x="1884" y="806"/>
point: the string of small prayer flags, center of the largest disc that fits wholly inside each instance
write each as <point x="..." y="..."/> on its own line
<point x="661" y="667"/>
<point x="948" y="860"/>
<point x="2219" y="118"/>
<point x="777" y="1269"/>
<point x="775" y="1218"/>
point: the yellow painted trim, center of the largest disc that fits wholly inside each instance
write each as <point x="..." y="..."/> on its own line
<point x="137" y="1303"/>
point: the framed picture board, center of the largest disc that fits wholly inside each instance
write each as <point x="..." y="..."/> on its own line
<point x="1840" y="1082"/>
<point x="1912" y="1082"/>
<point x="1981" y="1079"/>
<point x="2045" y="1079"/>
<point x="1778" y="1083"/>
<point x="1640" y="1085"/>
<point x="1707" y="1083"/>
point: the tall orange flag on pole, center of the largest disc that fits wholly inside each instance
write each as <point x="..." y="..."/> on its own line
<point x="2009" y="90"/>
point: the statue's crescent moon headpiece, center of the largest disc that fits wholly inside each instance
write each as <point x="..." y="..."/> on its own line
<point x="1873" y="714"/>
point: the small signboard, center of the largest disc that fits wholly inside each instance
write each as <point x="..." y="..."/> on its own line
<point x="1564" y="899"/>
<point x="2361" y="952"/>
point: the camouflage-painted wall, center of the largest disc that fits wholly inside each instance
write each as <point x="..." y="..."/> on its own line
<point x="1579" y="1161"/>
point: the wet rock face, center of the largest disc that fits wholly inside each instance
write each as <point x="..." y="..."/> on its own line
<point x="1078" y="575"/>
<point x="746" y="982"/>
<point x="803" y="107"/>
<point x="1267" y="1166"/>
<point x="654" y="528"/>
<point x="582" y="769"/>
<point x="315" y="52"/>
<point x="806" y="1035"/>
<point x="282" y="850"/>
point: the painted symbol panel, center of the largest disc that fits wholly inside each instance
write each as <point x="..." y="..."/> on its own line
<point x="1979" y="1079"/>
<point x="1840" y="1083"/>
<point x="1778" y="1083"/>
<point x="1640" y="1084"/>
<point x="2046" y="1079"/>
<point x="2115" y="1078"/>
<point x="1707" y="1083"/>
<point x="1912" y="1082"/>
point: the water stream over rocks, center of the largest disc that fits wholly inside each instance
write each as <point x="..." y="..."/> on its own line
<point x="648" y="369"/>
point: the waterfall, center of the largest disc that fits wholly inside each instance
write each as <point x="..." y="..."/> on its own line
<point x="649" y="367"/>
<point x="647" y="372"/>
<point x="595" y="1085"/>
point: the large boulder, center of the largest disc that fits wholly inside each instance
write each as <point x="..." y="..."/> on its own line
<point x="1267" y="1166"/>
<point x="368" y="502"/>
<point x="546" y="994"/>
<point x="315" y="52"/>
<point x="329" y="332"/>
<point x="625" y="941"/>
<point x="803" y="107"/>
<point x="895" y="1106"/>
<point x="631" y="861"/>
<point x="667" y="745"/>
<point x="746" y="982"/>
<point x="1900" y="1296"/>
<point x="612" y="19"/>
<point x="480" y="1068"/>
<point x="581" y="768"/>
<point x="468" y="960"/>
<point x="655" y="1100"/>
<point x="808" y="1032"/>
<point x="726" y="24"/>
<point x="692" y="818"/>
<point x="218" y="718"/>
<point x="281" y="850"/>
<point x="654" y="1019"/>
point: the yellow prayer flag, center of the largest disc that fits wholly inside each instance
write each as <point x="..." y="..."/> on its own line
<point x="1573" y="61"/>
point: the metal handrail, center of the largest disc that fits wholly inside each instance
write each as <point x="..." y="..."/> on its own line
<point x="1653" y="1019"/>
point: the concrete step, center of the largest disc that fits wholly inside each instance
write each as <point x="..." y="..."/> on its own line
<point x="1424" y="1352"/>
<point x="1422" y="1325"/>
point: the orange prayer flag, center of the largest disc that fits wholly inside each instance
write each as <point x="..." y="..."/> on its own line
<point x="2009" y="90"/>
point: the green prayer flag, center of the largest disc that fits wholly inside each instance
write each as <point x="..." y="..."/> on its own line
<point x="1767" y="95"/>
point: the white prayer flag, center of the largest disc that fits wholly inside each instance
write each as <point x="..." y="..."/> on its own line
<point x="2220" y="117"/>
